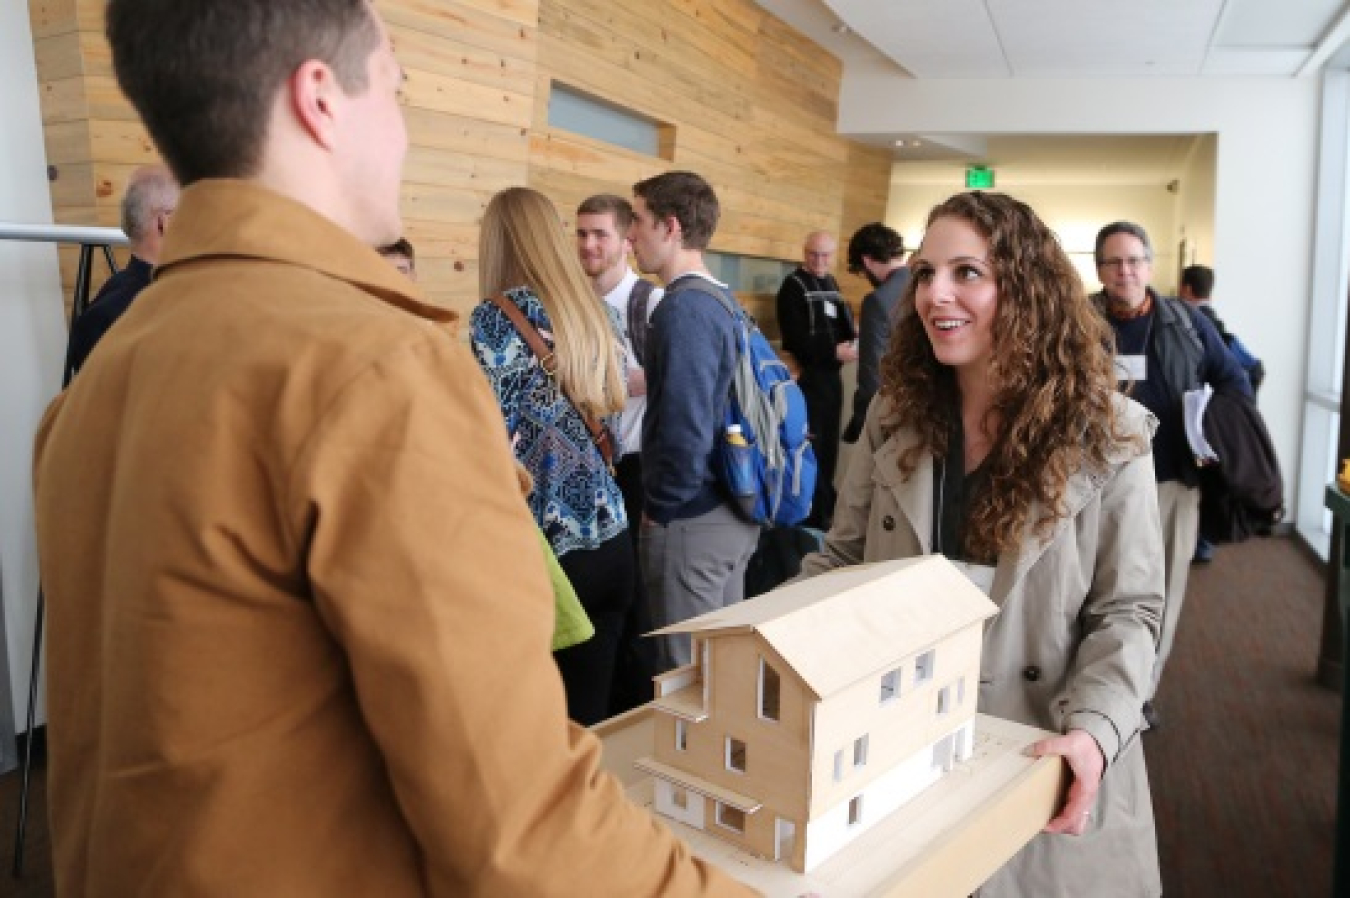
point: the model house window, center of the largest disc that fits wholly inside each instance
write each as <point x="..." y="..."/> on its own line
<point x="855" y="810"/>
<point x="923" y="668"/>
<point x="681" y="735"/>
<point x="838" y="765"/>
<point x="890" y="685"/>
<point x="731" y="818"/>
<point x="961" y="691"/>
<point x="860" y="751"/>
<point x="944" y="700"/>
<point x="768" y="692"/>
<point x="679" y="797"/>
<point x="735" y="755"/>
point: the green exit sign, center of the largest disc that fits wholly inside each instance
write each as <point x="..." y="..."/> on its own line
<point x="979" y="177"/>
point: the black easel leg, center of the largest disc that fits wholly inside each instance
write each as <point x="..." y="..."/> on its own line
<point x="31" y="740"/>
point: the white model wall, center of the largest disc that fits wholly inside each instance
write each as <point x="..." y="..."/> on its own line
<point x="32" y="337"/>
<point x="1265" y="176"/>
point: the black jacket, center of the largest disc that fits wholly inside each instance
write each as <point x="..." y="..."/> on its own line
<point x="109" y="305"/>
<point x="1244" y="493"/>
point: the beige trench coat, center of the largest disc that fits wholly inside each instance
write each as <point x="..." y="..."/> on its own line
<point x="1072" y="646"/>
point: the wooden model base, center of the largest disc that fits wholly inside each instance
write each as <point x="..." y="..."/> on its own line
<point x="945" y="842"/>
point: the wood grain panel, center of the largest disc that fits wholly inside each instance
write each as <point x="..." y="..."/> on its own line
<point x="507" y="28"/>
<point x="748" y="102"/>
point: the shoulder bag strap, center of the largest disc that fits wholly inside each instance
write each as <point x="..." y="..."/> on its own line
<point x="549" y="362"/>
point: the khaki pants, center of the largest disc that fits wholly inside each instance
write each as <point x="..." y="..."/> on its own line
<point x="1179" y="509"/>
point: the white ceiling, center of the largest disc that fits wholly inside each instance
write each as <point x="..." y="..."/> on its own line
<point x="1076" y="38"/>
<point x="1079" y="39"/>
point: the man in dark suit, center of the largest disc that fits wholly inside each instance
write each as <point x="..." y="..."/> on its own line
<point x="149" y="203"/>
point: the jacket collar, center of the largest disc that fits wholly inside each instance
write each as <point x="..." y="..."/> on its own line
<point x="222" y="218"/>
<point x="915" y="498"/>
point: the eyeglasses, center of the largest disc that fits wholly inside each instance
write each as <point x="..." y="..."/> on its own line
<point x="1128" y="262"/>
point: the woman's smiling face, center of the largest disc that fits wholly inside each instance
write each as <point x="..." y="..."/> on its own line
<point x="956" y="295"/>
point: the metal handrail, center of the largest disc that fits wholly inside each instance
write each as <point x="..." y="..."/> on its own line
<point x="83" y="235"/>
<point x="87" y="238"/>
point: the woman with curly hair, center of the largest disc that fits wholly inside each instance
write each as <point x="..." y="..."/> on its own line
<point x="526" y="259"/>
<point x="999" y="440"/>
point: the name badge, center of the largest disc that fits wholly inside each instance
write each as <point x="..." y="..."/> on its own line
<point x="1132" y="367"/>
<point x="830" y="309"/>
<point x="982" y="575"/>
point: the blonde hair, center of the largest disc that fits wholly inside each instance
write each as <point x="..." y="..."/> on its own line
<point x="523" y="244"/>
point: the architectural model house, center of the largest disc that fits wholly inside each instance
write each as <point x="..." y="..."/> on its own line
<point x="813" y="711"/>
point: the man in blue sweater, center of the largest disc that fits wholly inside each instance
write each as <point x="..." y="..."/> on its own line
<point x="1164" y="349"/>
<point x="693" y="546"/>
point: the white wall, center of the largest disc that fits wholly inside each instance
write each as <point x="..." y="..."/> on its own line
<point x="1198" y="179"/>
<point x="1265" y="182"/>
<point x="32" y="336"/>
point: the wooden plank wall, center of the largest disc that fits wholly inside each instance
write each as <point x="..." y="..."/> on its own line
<point x="752" y="105"/>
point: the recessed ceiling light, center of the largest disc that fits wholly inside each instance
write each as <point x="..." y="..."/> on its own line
<point x="899" y="143"/>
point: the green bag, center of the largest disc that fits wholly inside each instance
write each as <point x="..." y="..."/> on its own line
<point x="570" y="625"/>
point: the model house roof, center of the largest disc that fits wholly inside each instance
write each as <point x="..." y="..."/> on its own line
<point x="839" y="627"/>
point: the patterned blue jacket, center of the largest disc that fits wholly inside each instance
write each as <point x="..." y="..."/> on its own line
<point x="575" y="501"/>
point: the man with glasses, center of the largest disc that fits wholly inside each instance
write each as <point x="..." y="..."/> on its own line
<point x="1163" y="350"/>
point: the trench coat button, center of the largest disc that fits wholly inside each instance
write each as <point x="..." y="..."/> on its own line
<point x="888" y="523"/>
<point x="1031" y="673"/>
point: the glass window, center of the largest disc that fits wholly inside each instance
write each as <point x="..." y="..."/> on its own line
<point x="890" y="685"/>
<point x="923" y="668"/>
<point x="735" y="755"/>
<point x="731" y="818"/>
<point x="570" y="109"/>
<point x="768" y="691"/>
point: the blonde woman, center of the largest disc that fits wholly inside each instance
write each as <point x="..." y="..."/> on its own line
<point x="526" y="256"/>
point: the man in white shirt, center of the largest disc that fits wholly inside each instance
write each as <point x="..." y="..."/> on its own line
<point x="602" y="243"/>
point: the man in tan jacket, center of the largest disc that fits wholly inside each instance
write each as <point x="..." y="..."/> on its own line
<point x="299" y="619"/>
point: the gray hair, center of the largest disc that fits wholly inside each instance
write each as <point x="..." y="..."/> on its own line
<point x="150" y="191"/>
<point x="1121" y="227"/>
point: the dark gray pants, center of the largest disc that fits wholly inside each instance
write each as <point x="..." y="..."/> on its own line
<point x="691" y="567"/>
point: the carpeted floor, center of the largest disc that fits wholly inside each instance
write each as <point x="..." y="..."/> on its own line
<point x="1243" y="768"/>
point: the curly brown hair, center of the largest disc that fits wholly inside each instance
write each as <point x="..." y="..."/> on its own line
<point x="1051" y="367"/>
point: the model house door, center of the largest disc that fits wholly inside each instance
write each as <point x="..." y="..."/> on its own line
<point x="943" y="752"/>
<point x="785" y="839"/>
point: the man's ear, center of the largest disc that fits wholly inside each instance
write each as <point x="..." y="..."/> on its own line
<point x="315" y="95"/>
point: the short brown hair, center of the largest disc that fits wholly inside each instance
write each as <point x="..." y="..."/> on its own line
<point x="877" y="242"/>
<point x="608" y="204"/>
<point x="203" y="74"/>
<point x="1121" y="227"/>
<point x="688" y="199"/>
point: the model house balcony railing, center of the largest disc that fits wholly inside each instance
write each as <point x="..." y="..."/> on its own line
<point x="680" y="692"/>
